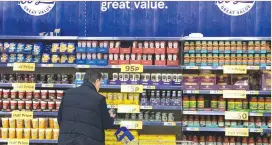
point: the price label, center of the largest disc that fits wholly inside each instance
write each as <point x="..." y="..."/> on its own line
<point x="260" y="130"/>
<point x="131" y="88"/>
<point x="191" y="67"/>
<point x="132" y="124"/>
<point x="253" y="67"/>
<point x="24" y="67"/>
<point x="128" y="109"/>
<point x="234" y="94"/>
<point x="83" y="66"/>
<point x="146" y="107"/>
<point x="112" y="106"/>
<point x="132" y="68"/>
<point x="22" y="114"/>
<point x="18" y="142"/>
<point x="236" y="132"/>
<point x="23" y="86"/>
<point x="150" y="87"/>
<point x="189" y="112"/>
<point x="235" y="69"/>
<point x="47" y="65"/>
<point x="232" y="115"/>
<point x="169" y="124"/>
<point x="253" y="92"/>
<point x="47" y="85"/>
<point x="193" y="129"/>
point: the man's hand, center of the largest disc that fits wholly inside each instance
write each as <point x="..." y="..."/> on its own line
<point x="112" y="113"/>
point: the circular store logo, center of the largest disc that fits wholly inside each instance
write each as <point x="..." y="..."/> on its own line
<point x="235" y="8"/>
<point x="37" y="8"/>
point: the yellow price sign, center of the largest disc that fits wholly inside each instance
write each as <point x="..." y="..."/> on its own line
<point x="235" y="69"/>
<point x="24" y="67"/>
<point x="22" y="114"/>
<point x="131" y="88"/>
<point x="132" y="124"/>
<point x="132" y="68"/>
<point x="236" y="132"/>
<point x="23" y="86"/>
<point x="18" y="141"/>
<point x="232" y="115"/>
<point x="128" y="109"/>
<point x="234" y="94"/>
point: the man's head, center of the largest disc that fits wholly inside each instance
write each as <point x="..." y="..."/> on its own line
<point x="94" y="76"/>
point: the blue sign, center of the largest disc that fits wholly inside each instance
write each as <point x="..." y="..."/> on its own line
<point x="137" y="19"/>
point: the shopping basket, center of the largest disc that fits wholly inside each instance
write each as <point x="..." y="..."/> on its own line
<point x="128" y="139"/>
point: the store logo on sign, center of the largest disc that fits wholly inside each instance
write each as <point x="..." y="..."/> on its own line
<point x="37" y="8"/>
<point x="235" y="8"/>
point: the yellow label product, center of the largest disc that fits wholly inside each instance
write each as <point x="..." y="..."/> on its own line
<point x="24" y="67"/>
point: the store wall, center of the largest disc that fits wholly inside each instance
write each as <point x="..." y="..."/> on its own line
<point x="174" y="20"/>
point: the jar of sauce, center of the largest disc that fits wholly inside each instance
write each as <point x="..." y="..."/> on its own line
<point x="221" y="103"/>
<point x="227" y="46"/>
<point x="263" y="45"/>
<point x="186" y="58"/>
<point x="251" y="141"/>
<point x="251" y="122"/>
<point x="239" y="59"/>
<point x="233" y="46"/>
<point x="257" y="45"/>
<point x="192" y="45"/>
<point x="244" y="59"/>
<point x="215" y="59"/>
<point x="219" y="140"/>
<point x="202" y="140"/>
<point x="221" y="46"/>
<point x="253" y="103"/>
<point x="244" y="46"/>
<point x="268" y="59"/>
<point x="196" y="121"/>
<point x="200" y="102"/>
<point x="245" y="104"/>
<point x="239" y="46"/>
<point x="258" y="122"/>
<point x="226" y="140"/>
<point x="227" y="59"/>
<point x="204" y="45"/>
<point x="185" y="121"/>
<point x="204" y="58"/>
<point x="244" y="141"/>
<point x="195" y="140"/>
<point x="238" y="104"/>
<point x="232" y="141"/>
<point x="191" y="121"/>
<point x="186" y="46"/>
<point x="198" y="46"/>
<point x="215" y="46"/>
<point x="233" y="59"/>
<point x="210" y="46"/>
<point x="192" y="102"/>
<point x="198" y="58"/>
<point x="263" y="59"/>
<point x="214" y="103"/>
<point x="185" y="102"/>
<point x="251" y="45"/>
<point x="267" y="105"/>
<point x="221" y="123"/>
<point x="208" y="121"/>
<point x="202" y="121"/>
<point x="192" y="58"/>
<point x="231" y="104"/>
<point x="260" y="103"/>
<point x="221" y="60"/>
<point x="257" y="59"/>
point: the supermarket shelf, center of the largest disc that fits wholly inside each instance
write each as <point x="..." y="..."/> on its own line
<point x="130" y="38"/>
<point x="52" y="114"/>
<point x="222" y="113"/>
<point x="43" y="85"/>
<point x="226" y="38"/>
<point x="159" y="107"/>
<point x="257" y="130"/>
<point x="158" y="87"/>
<point x="221" y="67"/>
<point x="35" y="141"/>
<point x="39" y="37"/>
<point x="155" y="123"/>
<point x="221" y="92"/>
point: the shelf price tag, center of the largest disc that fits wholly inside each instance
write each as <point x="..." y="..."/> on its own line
<point x="131" y="88"/>
<point x="150" y="87"/>
<point x="169" y="124"/>
<point x="260" y="130"/>
<point x="236" y="132"/>
<point x="24" y="67"/>
<point x="23" y="86"/>
<point x="47" y="85"/>
<point x="47" y="65"/>
<point x="132" y="124"/>
<point x="193" y="129"/>
<point x="22" y="115"/>
<point x="18" y="141"/>
<point x="235" y="69"/>
<point x="128" y="109"/>
<point x="146" y="107"/>
<point x="132" y="68"/>
<point x="234" y="94"/>
<point x="232" y="115"/>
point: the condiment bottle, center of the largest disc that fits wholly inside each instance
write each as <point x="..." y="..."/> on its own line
<point x="198" y="46"/>
<point x="227" y="46"/>
<point x="233" y="123"/>
<point x="208" y="121"/>
<point x="263" y="122"/>
<point x="227" y="59"/>
<point x="214" y="140"/>
<point x="257" y="59"/>
<point x="200" y="103"/>
<point x="202" y="121"/>
<point x="192" y="58"/>
<point x="186" y="58"/>
<point x="214" y="120"/>
<point x="215" y="46"/>
<point x="221" y="60"/>
<point x="227" y="123"/>
<point x="244" y="141"/>
<point x="268" y="59"/>
<point x="215" y="59"/>
<point x="214" y="103"/>
<point x="192" y="103"/>
<point x="233" y="59"/>
<point x="239" y="46"/>
<point x="257" y="45"/>
<point x="250" y="59"/>
<point x="244" y="46"/>
<point x="196" y="121"/>
<point x="263" y="59"/>
<point x="233" y="46"/>
<point x="251" y="141"/>
<point x="185" y="121"/>
<point x="163" y="98"/>
<point x="221" y="46"/>
<point x="269" y="122"/>
<point x="253" y="103"/>
<point x="226" y="141"/>
<point x="258" y="122"/>
<point x="210" y="140"/>
<point x="251" y="122"/>
<point x="238" y="104"/>
<point x="195" y="140"/>
<point x="250" y="45"/>
<point x="204" y="45"/>
<point x="219" y="141"/>
<point x="204" y="58"/>
<point x="191" y="121"/>
<point x="260" y="103"/>
<point x="231" y="104"/>
<point x="232" y="141"/>
<point x="210" y="46"/>
<point x="221" y="103"/>
<point x="239" y="59"/>
<point x="267" y="105"/>
<point x="198" y="58"/>
<point x="186" y="46"/>
<point x="245" y="123"/>
<point x="265" y="141"/>
<point x="221" y="122"/>
<point x="263" y="45"/>
<point x="245" y="104"/>
<point x="192" y="45"/>
<point x="202" y="140"/>
<point x="210" y="59"/>
<point x="245" y="59"/>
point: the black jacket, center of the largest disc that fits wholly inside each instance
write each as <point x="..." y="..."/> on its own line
<point x="83" y="116"/>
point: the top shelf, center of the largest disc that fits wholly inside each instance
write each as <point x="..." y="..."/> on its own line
<point x="129" y="38"/>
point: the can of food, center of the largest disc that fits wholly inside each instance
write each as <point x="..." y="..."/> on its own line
<point x="28" y="105"/>
<point x="48" y="133"/>
<point x="21" y="94"/>
<point x="59" y="94"/>
<point x="27" y="133"/>
<point x="12" y="133"/>
<point x="57" y="105"/>
<point x="13" y="104"/>
<point x="44" y="94"/>
<point x="5" y="122"/>
<point x="51" y="105"/>
<point x="19" y="123"/>
<point x="6" y="104"/>
<point x="41" y="134"/>
<point x="43" y="105"/>
<point x="13" y="94"/>
<point x="21" y="105"/>
<point x="52" y="94"/>
<point x="28" y="94"/>
<point x="12" y="123"/>
<point x="35" y="123"/>
<point x="27" y="123"/>
<point x="34" y="133"/>
<point x="6" y="94"/>
<point x="37" y="94"/>
<point x="36" y="105"/>
<point x="19" y="133"/>
<point x="55" y="134"/>
<point x="4" y="132"/>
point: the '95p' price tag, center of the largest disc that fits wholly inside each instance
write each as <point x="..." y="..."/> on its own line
<point x="23" y="86"/>
<point x="128" y="109"/>
<point x="235" y="69"/>
<point x="24" y="67"/>
<point x="231" y="115"/>
<point x="22" y="115"/>
<point x="132" y="68"/>
<point x="132" y="124"/>
<point x="131" y="88"/>
<point x="236" y="132"/>
<point x="234" y="94"/>
<point x="18" y="142"/>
